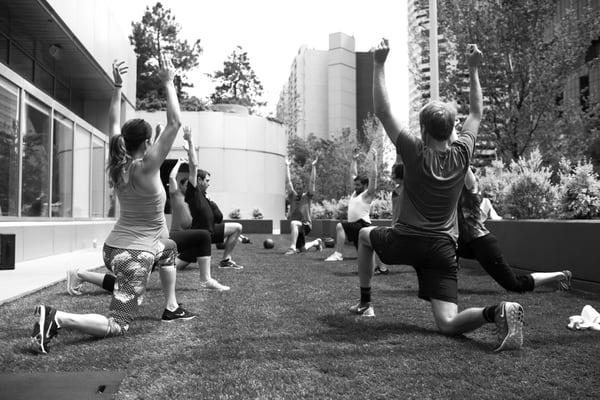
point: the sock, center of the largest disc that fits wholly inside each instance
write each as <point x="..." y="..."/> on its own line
<point x="365" y="295"/>
<point x="489" y="313"/>
<point x="108" y="283"/>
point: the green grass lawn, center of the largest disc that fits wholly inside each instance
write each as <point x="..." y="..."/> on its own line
<point x="283" y="332"/>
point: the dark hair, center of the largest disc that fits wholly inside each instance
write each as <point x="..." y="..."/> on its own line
<point x="362" y="179"/>
<point x="133" y="133"/>
<point x="202" y="174"/>
<point x="182" y="181"/>
<point x="437" y="119"/>
<point x="398" y="171"/>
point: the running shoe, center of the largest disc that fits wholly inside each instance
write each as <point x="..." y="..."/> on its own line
<point x="362" y="310"/>
<point x="290" y="252"/>
<point x="509" y="325"/>
<point x="335" y="257"/>
<point x="380" y="270"/>
<point x="179" y="314"/>
<point x="319" y="244"/>
<point x="74" y="282"/>
<point x="212" y="284"/>
<point x="45" y="328"/>
<point x="565" y="282"/>
<point x="229" y="263"/>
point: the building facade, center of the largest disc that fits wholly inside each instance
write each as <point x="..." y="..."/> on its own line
<point x="55" y="89"/>
<point x="328" y="91"/>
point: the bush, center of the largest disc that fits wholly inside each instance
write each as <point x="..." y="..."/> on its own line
<point x="579" y="191"/>
<point x="341" y="209"/>
<point x="235" y="214"/>
<point x="381" y="208"/>
<point x="256" y="214"/>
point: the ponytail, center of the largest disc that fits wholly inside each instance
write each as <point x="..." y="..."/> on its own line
<point x="117" y="159"/>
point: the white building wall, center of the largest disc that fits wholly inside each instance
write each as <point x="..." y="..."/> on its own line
<point x="341" y="73"/>
<point x="244" y="154"/>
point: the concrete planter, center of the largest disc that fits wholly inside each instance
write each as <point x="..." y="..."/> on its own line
<point x="254" y="225"/>
<point x="552" y="245"/>
<point x="326" y="227"/>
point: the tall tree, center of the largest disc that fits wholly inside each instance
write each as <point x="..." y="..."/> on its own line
<point x="156" y="33"/>
<point x="237" y="83"/>
<point x="531" y="51"/>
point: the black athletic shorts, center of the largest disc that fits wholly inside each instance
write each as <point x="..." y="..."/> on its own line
<point x="218" y="233"/>
<point x="352" y="229"/>
<point x="433" y="258"/>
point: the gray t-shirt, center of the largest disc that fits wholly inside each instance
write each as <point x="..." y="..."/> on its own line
<point x="433" y="181"/>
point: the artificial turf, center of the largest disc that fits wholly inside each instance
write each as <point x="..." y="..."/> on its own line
<point x="283" y="332"/>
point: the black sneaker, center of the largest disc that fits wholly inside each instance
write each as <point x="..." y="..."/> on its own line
<point x="245" y="239"/>
<point x="229" y="264"/>
<point x="45" y="328"/>
<point x="179" y="314"/>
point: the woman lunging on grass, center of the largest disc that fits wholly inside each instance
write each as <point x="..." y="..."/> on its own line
<point x="139" y="240"/>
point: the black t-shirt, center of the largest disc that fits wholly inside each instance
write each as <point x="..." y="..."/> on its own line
<point x="205" y="213"/>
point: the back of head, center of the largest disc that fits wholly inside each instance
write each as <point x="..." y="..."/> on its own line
<point x="362" y="179"/>
<point x="133" y="133"/>
<point x="437" y="120"/>
<point x="398" y="171"/>
<point x="202" y="174"/>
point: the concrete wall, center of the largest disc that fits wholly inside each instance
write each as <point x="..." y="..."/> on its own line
<point x="244" y="154"/>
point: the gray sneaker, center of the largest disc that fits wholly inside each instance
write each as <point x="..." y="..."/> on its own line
<point x="45" y="328"/>
<point x="565" y="283"/>
<point x="509" y="324"/>
<point x="362" y="310"/>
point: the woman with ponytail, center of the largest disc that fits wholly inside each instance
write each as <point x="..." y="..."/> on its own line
<point x="476" y="242"/>
<point x="139" y="240"/>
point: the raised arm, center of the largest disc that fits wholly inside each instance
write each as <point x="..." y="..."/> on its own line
<point x="288" y="177"/>
<point x="191" y="151"/>
<point x="474" y="58"/>
<point x="372" y="173"/>
<point x="313" y="176"/>
<point x="157" y="153"/>
<point x="381" y="100"/>
<point x="353" y="168"/>
<point x="173" y="185"/>
<point x="114" y="112"/>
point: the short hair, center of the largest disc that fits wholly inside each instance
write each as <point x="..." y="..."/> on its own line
<point x="437" y="119"/>
<point x="398" y="171"/>
<point x="362" y="179"/>
<point x="202" y="174"/>
<point x="182" y="181"/>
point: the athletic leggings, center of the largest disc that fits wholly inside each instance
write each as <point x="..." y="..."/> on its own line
<point x="192" y="241"/>
<point x="487" y="252"/>
<point x="132" y="269"/>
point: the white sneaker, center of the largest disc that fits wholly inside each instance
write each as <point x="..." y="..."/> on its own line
<point x="74" y="282"/>
<point x="509" y="324"/>
<point x="335" y="257"/>
<point x="212" y="284"/>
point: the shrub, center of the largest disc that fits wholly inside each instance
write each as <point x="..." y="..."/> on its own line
<point x="381" y="208"/>
<point x="341" y="209"/>
<point x="318" y="211"/>
<point x="256" y="214"/>
<point x="493" y="184"/>
<point x="579" y="191"/>
<point x="530" y="193"/>
<point x="235" y="214"/>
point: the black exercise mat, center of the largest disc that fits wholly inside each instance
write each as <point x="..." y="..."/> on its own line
<point x="60" y="385"/>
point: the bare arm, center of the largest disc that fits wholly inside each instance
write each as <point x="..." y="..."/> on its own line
<point x="114" y="112"/>
<point x="157" y="153"/>
<point x="173" y="186"/>
<point x="288" y="177"/>
<point x="381" y="100"/>
<point x="313" y="176"/>
<point x="354" y="168"/>
<point x="474" y="58"/>
<point x="193" y="161"/>
<point x="470" y="180"/>
<point x="372" y="174"/>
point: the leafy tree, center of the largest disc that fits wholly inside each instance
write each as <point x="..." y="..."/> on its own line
<point x="156" y="33"/>
<point x="237" y="83"/>
<point x="530" y="52"/>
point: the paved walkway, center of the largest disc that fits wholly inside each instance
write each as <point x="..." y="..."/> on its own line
<point x="33" y="275"/>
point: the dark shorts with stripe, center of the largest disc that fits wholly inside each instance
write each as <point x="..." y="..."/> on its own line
<point x="352" y="229"/>
<point x="433" y="258"/>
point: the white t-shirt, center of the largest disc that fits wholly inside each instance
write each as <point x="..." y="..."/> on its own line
<point x="358" y="208"/>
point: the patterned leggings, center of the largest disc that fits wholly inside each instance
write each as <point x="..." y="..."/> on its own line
<point x="132" y="269"/>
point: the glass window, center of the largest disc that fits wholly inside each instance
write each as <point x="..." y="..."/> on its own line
<point x="36" y="161"/>
<point x="9" y="149"/>
<point x="62" y="167"/>
<point x="98" y="178"/>
<point x="81" y="174"/>
<point x="21" y="62"/>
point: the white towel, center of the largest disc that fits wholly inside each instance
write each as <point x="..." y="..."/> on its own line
<point x="589" y="319"/>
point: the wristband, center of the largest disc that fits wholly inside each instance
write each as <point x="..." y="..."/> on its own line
<point x="118" y="85"/>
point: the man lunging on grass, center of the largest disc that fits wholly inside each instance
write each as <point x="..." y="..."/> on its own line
<point x="425" y="232"/>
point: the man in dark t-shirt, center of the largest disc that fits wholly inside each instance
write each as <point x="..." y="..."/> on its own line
<point x="425" y="232"/>
<point x="299" y="215"/>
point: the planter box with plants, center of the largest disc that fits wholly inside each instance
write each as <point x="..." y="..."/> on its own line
<point x="254" y="225"/>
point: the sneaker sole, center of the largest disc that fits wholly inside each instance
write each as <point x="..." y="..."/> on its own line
<point x="514" y="337"/>
<point x="179" y="319"/>
<point x="238" y="267"/>
<point x="39" y="339"/>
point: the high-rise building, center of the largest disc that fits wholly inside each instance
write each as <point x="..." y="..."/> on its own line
<point x="328" y="91"/>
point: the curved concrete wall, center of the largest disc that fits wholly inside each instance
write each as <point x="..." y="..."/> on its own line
<point x="244" y="154"/>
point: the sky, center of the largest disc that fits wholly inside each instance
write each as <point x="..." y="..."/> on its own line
<point x="272" y="31"/>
